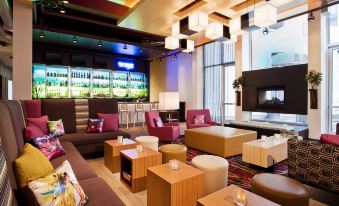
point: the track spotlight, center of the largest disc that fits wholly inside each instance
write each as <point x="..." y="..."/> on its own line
<point x="125" y="47"/>
<point x="75" y="39"/>
<point x="99" y="43"/>
<point x="154" y="53"/>
<point x="65" y="1"/>
<point x="62" y="9"/>
<point x="160" y="60"/>
<point x="265" y="31"/>
<point x="42" y="34"/>
<point x="175" y="56"/>
<point x="140" y="50"/>
<point x="310" y="17"/>
<point x="190" y="52"/>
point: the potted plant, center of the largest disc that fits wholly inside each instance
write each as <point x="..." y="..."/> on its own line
<point x="314" y="78"/>
<point x="236" y="85"/>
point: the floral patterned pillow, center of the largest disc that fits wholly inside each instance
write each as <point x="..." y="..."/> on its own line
<point x="199" y="119"/>
<point x="59" y="188"/>
<point x="158" y="122"/>
<point x="49" y="145"/>
<point x="56" y="128"/>
<point x="95" y="125"/>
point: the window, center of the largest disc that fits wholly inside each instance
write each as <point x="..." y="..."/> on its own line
<point x="285" y="44"/>
<point x="219" y="96"/>
<point x="333" y="23"/>
<point x="10" y="90"/>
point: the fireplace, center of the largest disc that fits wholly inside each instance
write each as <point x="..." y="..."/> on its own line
<point x="271" y="97"/>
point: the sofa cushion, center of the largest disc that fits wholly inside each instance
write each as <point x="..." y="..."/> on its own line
<point x="329" y="139"/>
<point x="80" y="167"/>
<point x="99" y="193"/>
<point x="49" y="145"/>
<point x="95" y="125"/>
<point x="32" y="131"/>
<point x="111" y="122"/>
<point x="92" y="138"/>
<point x="60" y="109"/>
<point x="56" y="127"/>
<point x="105" y="106"/>
<point x="31" y="165"/>
<point x="33" y="108"/>
<point x="40" y="122"/>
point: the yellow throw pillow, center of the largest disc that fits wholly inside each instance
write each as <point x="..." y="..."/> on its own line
<point x="31" y="165"/>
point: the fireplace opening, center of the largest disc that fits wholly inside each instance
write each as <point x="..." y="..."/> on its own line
<point x="271" y="97"/>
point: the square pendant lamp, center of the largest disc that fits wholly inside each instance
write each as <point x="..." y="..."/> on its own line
<point x="234" y="38"/>
<point x="176" y="31"/>
<point x="171" y="42"/>
<point x="197" y="21"/>
<point x="235" y="26"/>
<point x="265" y="16"/>
<point x="187" y="45"/>
<point x="214" y="30"/>
<point x="247" y="22"/>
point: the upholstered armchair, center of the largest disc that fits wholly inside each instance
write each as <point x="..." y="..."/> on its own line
<point x="169" y="132"/>
<point x="337" y="129"/>
<point x="190" y="118"/>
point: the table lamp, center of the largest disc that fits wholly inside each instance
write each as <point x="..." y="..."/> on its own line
<point x="168" y="101"/>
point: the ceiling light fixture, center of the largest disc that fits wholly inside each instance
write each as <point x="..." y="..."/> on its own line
<point x="99" y="43"/>
<point x="175" y="56"/>
<point x="75" y="39"/>
<point x="160" y="60"/>
<point x="187" y="45"/>
<point x="214" y="30"/>
<point x="65" y="2"/>
<point x="176" y="31"/>
<point x="197" y="21"/>
<point x="235" y="26"/>
<point x="171" y="42"/>
<point x="62" y="8"/>
<point x="42" y="34"/>
<point x="154" y="52"/>
<point x="265" y="31"/>
<point x="125" y="47"/>
<point x="265" y="15"/>
<point x="311" y="17"/>
<point x="140" y="50"/>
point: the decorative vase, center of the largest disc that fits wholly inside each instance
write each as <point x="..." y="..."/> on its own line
<point x="314" y="98"/>
<point x="238" y="96"/>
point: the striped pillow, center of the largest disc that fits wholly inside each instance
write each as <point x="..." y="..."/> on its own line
<point x="6" y="193"/>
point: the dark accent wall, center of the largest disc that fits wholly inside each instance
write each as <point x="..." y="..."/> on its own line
<point x="292" y="78"/>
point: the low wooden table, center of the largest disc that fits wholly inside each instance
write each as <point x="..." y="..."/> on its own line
<point x="265" y="153"/>
<point x="224" y="197"/>
<point x="134" y="167"/>
<point x="112" y="150"/>
<point x="167" y="187"/>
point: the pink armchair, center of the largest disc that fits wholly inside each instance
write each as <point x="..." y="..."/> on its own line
<point x="170" y="131"/>
<point x="190" y="118"/>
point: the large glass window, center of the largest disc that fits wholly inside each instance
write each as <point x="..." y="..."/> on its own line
<point x="285" y="44"/>
<point x="333" y="23"/>
<point x="219" y="67"/>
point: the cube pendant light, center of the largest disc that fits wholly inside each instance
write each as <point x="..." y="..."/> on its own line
<point x="197" y="21"/>
<point x="234" y="38"/>
<point x="171" y="42"/>
<point x="235" y="26"/>
<point x="265" y="16"/>
<point x="187" y="45"/>
<point x="176" y="31"/>
<point x="214" y="30"/>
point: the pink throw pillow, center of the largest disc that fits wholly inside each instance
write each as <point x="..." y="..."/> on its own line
<point x="199" y="119"/>
<point x="32" y="131"/>
<point x="95" y="125"/>
<point x="49" y="145"/>
<point x="329" y="139"/>
<point x="158" y="122"/>
<point x="111" y="122"/>
<point x="41" y="123"/>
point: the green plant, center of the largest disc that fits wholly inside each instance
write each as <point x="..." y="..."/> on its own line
<point x="238" y="82"/>
<point x="36" y="90"/>
<point x="314" y="78"/>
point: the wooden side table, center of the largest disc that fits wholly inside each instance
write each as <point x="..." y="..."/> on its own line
<point x="112" y="150"/>
<point x="134" y="167"/>
<point x="167" y="187"/>
<point x="224" y="197"/>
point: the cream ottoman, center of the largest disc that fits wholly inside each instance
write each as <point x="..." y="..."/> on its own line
<point x="216" y="171"/>
<point x="148" y="141"/>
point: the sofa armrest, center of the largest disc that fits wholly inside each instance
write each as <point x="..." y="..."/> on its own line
<point x="176" y="124"/>
<point x="165" y="129"/>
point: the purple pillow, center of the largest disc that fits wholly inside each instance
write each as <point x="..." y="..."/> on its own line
<point x="95" y="125"/>
<point x="158" y="122"/>
<point x="49" y="145"/>
<point x="32" y="131"/>
<point x="40" y="122"/>
<point x="111" y="122"/>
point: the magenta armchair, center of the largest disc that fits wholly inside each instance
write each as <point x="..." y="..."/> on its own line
<point x="190" y="118"/>
<point x="170" y="131"/>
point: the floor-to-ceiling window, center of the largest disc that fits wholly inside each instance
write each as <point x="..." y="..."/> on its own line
<point x="219" y="74"/>
<point x="286" y="43"/>
<point x="333" y="67"/>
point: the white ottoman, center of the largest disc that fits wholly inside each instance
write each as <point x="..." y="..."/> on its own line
<point x="148" y="141"/>
<point x="216" y="171"/>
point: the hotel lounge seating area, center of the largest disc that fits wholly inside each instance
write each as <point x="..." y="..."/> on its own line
<point x="169" y="103"/>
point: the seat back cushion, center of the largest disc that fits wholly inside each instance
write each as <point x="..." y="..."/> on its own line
<point x="60" y="109"/>
<point x="33" y="108"/>
<point x="105" y="106"/>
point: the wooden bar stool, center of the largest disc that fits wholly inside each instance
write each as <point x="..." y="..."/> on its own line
<point x="154" y="106"/>
<point x="123" y="108"/>
<point x="139" y="108"/>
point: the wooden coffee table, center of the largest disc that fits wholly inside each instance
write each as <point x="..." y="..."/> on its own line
<point x="167" y="187"/>
<point x="134" y="167"/>
<point x="218" y="140"/>
<point x="265" y="153"/>
<point x="112" y="150"/>
<point x="224" y="197"/>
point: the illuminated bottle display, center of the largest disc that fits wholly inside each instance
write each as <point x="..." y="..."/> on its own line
<point x="101" y="83"/>
<point x="56" y="81"/>
<point x="80" y="82"/>
<point x="120" y="84"/>
<point x="137" y="85"/>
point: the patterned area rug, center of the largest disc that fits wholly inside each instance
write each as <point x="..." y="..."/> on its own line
<point x="239" y="172"/>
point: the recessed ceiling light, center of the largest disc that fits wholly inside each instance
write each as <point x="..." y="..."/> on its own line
<point x="42" y="34"/>
<point x="99" y="43"/>
<point x="140" y="50"/>
<point x="62" y="8"/>
<point x="75" y="39"/>
<point x="125" y="47"/>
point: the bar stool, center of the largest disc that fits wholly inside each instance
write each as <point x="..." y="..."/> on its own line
<point x="154" y="106"/>
<point x="139" y="108"/>
<point x="123" y="108"/>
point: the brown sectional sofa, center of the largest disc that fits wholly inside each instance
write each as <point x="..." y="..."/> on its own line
<point x="12" y="124"/>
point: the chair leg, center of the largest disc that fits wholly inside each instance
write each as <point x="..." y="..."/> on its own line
<point x="143" y="119"/>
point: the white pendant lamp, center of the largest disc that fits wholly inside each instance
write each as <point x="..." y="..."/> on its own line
<point x="235" y="26"/>
<point x="176" y="31"/>
<point x="265" y="16"/>
<point x="234" y="38"/>
<point x="214" y="30"/>
<point x="187" y="45"/>
<point x="198" y="21"/>
<point x="171" y="42"/>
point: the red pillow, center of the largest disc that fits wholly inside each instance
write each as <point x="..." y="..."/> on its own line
<point x="32" y="131"/>
<point x="41" y="123"/>
<point x="33" y="108"/>
<point x="111" y="122"/>
<point x="329" y="139"/>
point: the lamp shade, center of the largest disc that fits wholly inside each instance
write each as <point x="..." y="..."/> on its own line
<point x="171" y="42"/>
<point x="265" y="16"/>
<point x="235" y="26"/>
<point x="214" y="30"/>
<point x="176" y="31"/>
<point x="198" y="21"/>
<point x="187" y="45"/>
<point x="169" y="100"/>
